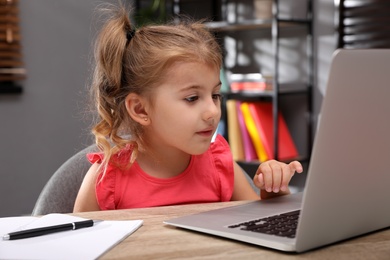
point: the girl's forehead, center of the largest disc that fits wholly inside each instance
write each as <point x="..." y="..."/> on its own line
<point x="179" y="67"/>
<point x="183" y="76"/>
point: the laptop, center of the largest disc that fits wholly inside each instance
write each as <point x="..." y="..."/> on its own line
<point x="347" y="192"/>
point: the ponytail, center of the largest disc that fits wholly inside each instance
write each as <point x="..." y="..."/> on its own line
<point x="108" y="80"/>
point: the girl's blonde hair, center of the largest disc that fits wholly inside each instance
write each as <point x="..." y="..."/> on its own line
<point x="135" y="61"/>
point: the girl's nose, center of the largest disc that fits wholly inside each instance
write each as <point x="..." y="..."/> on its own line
<point x="212" y="110"/>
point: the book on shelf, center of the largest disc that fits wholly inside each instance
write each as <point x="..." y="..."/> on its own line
<point x="249" y="149"/>
<point x="263" y="113"/>
<point x="253" y="132"/>
<point x="234" y="131"/>
<point x="251" y="82"/>
<point x="251" y="135"/>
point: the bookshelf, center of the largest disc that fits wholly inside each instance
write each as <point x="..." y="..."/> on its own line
<point x="274" y="25"/>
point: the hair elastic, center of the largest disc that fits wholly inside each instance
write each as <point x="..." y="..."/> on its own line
<point x="130" y="34"/>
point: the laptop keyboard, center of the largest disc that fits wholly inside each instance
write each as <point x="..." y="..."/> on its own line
<point x="284" y="225"/>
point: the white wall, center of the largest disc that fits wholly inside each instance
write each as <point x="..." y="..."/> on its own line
<point x="45" y="125"/>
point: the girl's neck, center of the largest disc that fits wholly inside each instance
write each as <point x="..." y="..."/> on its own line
<point x="163" y="165"/>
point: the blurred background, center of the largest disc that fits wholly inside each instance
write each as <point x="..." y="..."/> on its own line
<point x="46" y="119"/>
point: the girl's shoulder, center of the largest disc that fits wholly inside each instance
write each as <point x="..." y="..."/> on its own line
<point x="120" y="158"/>
<point x="107" y="185"/>
<point x="220" y="146"/>
<point x="221" y="154"/>
<point x="223" y="166"/>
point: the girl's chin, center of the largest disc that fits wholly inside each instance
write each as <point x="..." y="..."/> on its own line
<point x="200" y="151"/>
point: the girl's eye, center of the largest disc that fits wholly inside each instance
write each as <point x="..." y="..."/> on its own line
<point x="192" y="99"/>
<point x="217" y="97"/>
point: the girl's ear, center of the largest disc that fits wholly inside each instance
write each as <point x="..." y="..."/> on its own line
<point x="135" y="106"/>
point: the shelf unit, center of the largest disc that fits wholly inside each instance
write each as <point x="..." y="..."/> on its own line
<point x="275" y="24"/>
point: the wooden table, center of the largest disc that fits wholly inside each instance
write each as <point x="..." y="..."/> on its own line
<point x="155" y="240"/>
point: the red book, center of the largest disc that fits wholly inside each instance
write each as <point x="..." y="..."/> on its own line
<point x="249" y="149"/>
<point x="262" y="111"/>
<point x="248" y="86"/>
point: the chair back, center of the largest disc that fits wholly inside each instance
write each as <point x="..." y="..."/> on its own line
<point x="60" y="192"/>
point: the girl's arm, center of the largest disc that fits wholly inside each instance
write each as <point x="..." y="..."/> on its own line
<point x="242" y="189"/>
<point x="86" y="198"/>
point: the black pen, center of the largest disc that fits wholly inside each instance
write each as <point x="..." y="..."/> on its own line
<point x="49" y="229"/>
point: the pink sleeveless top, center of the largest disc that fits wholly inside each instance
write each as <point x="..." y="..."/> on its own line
<point x="209" y="177"/>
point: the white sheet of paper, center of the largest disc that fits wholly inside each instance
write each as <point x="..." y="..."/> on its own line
<point x="85" y="243"/>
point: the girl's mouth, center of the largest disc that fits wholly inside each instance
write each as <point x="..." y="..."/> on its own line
<point x="206" y="133"/>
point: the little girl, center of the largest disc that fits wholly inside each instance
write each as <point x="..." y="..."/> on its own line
<point x="158" y="96"/>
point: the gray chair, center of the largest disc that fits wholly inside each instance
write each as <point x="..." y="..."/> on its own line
<point x="60" y="192"/>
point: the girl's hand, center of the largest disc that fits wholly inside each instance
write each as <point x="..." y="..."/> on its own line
<point x="274" y="176"/>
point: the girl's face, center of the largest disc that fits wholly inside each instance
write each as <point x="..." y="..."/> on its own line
<point x="186" y="109"/>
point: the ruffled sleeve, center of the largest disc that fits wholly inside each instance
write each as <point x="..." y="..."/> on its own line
<point x="105" y="186"/>
<point x="95" y="157"/>
<point x="223" y="160"/>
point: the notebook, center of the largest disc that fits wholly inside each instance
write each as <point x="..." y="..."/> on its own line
<point x="84" y="243"/>
<point x="347" y="187"/>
